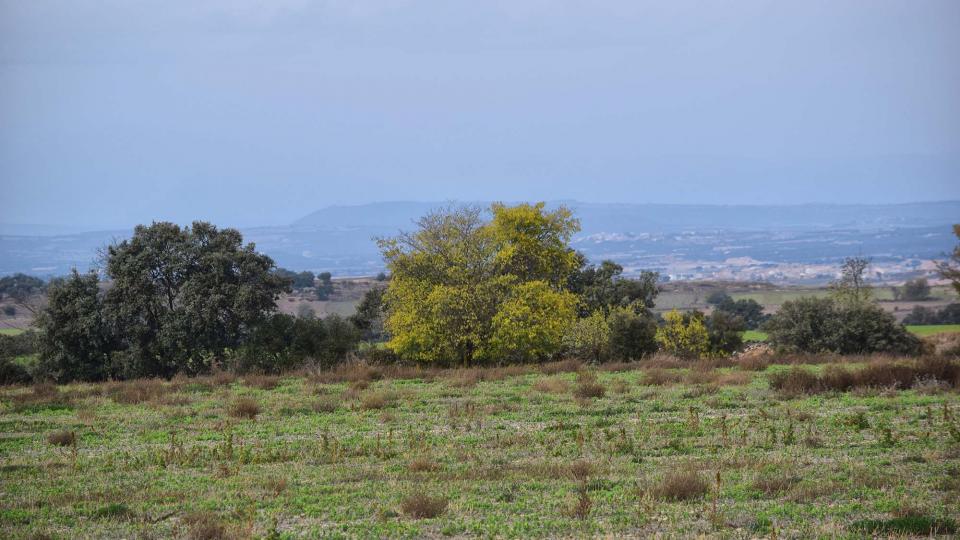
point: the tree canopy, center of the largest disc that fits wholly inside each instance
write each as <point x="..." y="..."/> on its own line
<point x="464" y="289"/>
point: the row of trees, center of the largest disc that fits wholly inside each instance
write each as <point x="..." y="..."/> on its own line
<point x="464" y="289"/>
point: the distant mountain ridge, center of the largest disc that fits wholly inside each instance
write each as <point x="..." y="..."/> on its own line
<point x="627" y="217"/>
<point x="688" y="241"/>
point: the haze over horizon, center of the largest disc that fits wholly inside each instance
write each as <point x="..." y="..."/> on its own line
<point x="250" y="113"/>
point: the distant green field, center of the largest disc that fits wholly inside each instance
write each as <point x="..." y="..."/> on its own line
<point x="755" y="335"/>
<point x="930" y="329"/>
<point x="918" y="329"/>
<point x="10" y="331"/>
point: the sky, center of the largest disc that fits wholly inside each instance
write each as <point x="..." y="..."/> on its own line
<point x="256" y="112"/>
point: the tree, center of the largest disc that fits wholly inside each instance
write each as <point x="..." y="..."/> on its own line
<point x="325" y="287"/>
<point x="632" y="333"/>
<point x="818" y="325"/>
<point x="75" y="341"/>
<point x="852" y="287"/>
<point x="369" y="315"/>
<point x="458" y="282"/>
<point x="683" y="335"/>
<point x="602" y="287"/>
<point x="589" y="337"/>
<point x="951" y="269"/>
<point x="719" y="299"/>
<point x="297" y="280"/>
<point x="916" y="290"/>
<point x="531" y="322"/>
<point x="20" y="289"/>
<point x="725" y="332"/>
<point x="181" y="297"/>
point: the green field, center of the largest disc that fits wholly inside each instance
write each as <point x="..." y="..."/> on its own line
<point x="918" y="329"/>
<point x="930" y="329"/>
<point x="500" y="453"/>
<point x="10" y="331"/>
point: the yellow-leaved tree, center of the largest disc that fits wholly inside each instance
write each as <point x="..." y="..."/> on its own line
<point x="464" y="289"/>
<point x="683" y="335"/>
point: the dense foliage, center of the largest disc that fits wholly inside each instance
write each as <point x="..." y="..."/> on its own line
<point x="826" y="325"/>
<point x="467" y="290"/>
<point x="748" y="310"/>
<point x="949" y="314"/>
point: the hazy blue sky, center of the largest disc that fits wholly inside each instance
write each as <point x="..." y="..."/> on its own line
<point x="256" y="112"/>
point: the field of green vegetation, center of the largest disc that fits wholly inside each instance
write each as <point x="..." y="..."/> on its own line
<point x="930" y="329"/>
<point x="627" y="450"/>
<point x="921" y="330"/>
<point x="10" y="331"/>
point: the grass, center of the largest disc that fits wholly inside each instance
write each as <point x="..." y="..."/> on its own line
<point x="10" y="331"/>
<point x="921" y="330"/>
<point x="930" y="329"/>
<point x="670" y="449"/>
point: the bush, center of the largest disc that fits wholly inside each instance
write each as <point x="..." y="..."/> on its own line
<point x="284" y="342"/>
<point x="632" y="335"/>
<point x="950" y="314"/>
<point x="880" y="374"/>
<point x="818" y="325"/>
<point x="725" y="332"/>
<point x="916" y="289"/>
<point x="13" y="373"/>
<point x="245" y="407"/>
<point x="684" y="335"/>
<point x="421" y="506"/>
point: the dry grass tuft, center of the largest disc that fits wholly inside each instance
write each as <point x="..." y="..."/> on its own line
<point x="581" y="470"/>
<point x="754" y="363"/>
<point x="884" y="373"/>
<point x="375" y="400"/>
<point x="583" y="505"/>
<point x="275" y="485"/>
<point x="245" y="407"/>
<point x="62" y="438"/>
<point x="620" y="386"/>
<point x="660" y="377"/>
<point x="136" y="391"/>
<point x="222" y="378"/>
<point x="423" y="464"/>
<point x="422" y="506"/>
<point x="588" y="386"/>
<point x="205" y="526"/>
<point x="263" y="382"/>
<point x="569" y="365"/>
<point x="552" y="386"/>
<point x="773" y="483"/>
<point x="326" y="404"/>
<point x="683" y="485"/>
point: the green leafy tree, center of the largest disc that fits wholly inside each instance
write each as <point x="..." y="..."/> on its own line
<point x="603" y="287"/>
<point x="75" y="339"/>
<point x="325" y="286"/>
<point x="589" y="337"/>
<point x="852" y="287"/>
<point x="633" y="333"/>
<point x="725" y="331"/>
<point x="181" y="297"/>
<point x="818" y="325"/>
<point x="684" y="335"/>
<point x="916" y="290"/>
<point x="369" y="315"/>
<point x="458" y="281"/>
<point x="21" y="289"/>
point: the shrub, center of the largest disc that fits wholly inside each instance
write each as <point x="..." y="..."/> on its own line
<point x="819" y="325"/>
<point x="205" y="526"/>
<point x="374" y="400"/>
<point x="551" y="386"/>
<point x="245" y="407"/>
<point x="681" y="485"/>
<point x="589" y="337"/>
<point x="588" y="387"/>
<point x="879" y="374"/>
<point x="423" y="464"/>
<point x="62" y="438"/>
<point x="684" y="335"/>
<point x="422" y="506"/>
<point x="12" y="373"/>
<point x="660" y="377"/>
<point x="725" y="332"/>
<point x="632" y="335"/>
